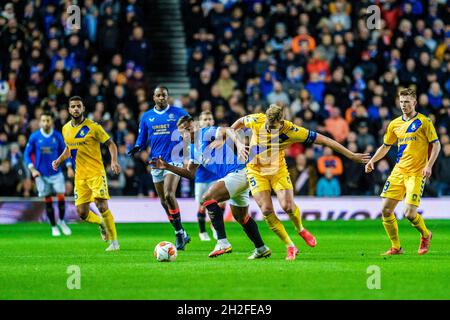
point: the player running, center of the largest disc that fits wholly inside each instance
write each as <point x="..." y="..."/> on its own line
<point x="267" y="170"/>
<point x="232" y="184"/>
<point x="157" y="130"/>
<point x="413" y="133"/>
<point x="203" y="180"/>
<point x="83" y="138"/>
<point x="43" y="146"/>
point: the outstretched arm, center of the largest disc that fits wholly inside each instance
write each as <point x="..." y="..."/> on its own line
<point x="115" y="167"/>
<point x="336" y="146"/>
<point x="379" y="154"/>
<point x="186" y="172"/>
<point x="232" y="133"/>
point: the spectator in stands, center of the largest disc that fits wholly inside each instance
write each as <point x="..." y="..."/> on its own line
<point x="443" y="170"/>
<point x="331" y="162"/>
<point x="137" y="48"/>
<point x="316" y="87"/>
<point x="10" y="182"/>
<point x="225" y="84"/>
<point x="328" y="185"/>
<point x="278" y="96"/>
<point x="364" y="138"/>
<point x="337" y="126"/>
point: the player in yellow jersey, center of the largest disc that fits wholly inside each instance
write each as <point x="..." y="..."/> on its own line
<point x="267" y="170"/>
<point x="83" y="137"/>
<point x="413" y="132"/>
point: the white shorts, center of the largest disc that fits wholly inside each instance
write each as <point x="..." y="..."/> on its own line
<point x="237" y="186"/>
<point x="200" y="189"/>
<point x="51" y="185"/>
<point x="158" y="174"/>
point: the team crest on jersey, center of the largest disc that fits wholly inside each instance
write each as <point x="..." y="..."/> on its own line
<point x="172" y="117"/>
<point x="414" y="126"/>
<point x="82" y="133"/>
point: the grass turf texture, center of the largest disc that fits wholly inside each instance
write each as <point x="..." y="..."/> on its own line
<point x="33" y="265"/>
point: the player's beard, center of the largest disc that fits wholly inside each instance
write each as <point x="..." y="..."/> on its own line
<point x="77" y="118"/>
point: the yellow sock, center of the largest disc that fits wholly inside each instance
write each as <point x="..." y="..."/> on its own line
<point x="296" y="219"/>
<point x="419" y="224"/>
<point x="276" y="226"/>
<point x="93" y="218"/>
<point x="391" y="227"/>
<point x="110" y="226"/>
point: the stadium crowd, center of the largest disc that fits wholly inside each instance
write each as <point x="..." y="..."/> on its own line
<point x="332" y="71"/>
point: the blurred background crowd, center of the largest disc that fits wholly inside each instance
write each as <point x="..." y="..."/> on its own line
<point x="322" y="60"/>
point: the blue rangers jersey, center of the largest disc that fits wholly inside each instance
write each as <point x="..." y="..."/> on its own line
<point x="220" y="161"/>
<point x="158" y="130"/>
<point x="44" y="148"/>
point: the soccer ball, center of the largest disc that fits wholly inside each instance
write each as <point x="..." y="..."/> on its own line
<point x="165" y="251"/>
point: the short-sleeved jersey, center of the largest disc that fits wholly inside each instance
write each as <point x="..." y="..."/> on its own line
<point x="413" y="138"/>
<point x="158" y="130"/>
<point x="84" y="142"/>
<point x="219" y="161"/>
<point x="267" y="147"/>
<point x="202" y="175"/>
<point x="42" y="149"/>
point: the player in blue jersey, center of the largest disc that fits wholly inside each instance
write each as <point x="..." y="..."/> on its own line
<point x="44" y="146"/>
<point x="158" y="130"/>
<point x="204" y="179"/>
<point x="232" y="184"/>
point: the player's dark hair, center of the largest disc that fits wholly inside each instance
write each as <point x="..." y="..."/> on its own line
<point x="47" y="113"/>
<point x="183" y="119"/>
<point x="161" y="87"/>
<point x="75" y="98"/>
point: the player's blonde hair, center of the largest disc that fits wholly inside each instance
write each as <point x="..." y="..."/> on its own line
<point x="274" y="113"/>
<point x="408" y="92"/>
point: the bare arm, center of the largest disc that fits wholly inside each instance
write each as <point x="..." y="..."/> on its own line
<point x="379" y="154"/>
<point x="187" y="172"/>
<point x="435" y="149"/>
<point x="336" y="146"/>
<point x="65" y="155"/>
<point x="223" y="133"/>
<point x="115" y="167"/>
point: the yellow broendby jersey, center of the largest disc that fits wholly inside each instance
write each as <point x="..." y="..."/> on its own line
<point x="267" y="146"/>
<point x="83" y="142"/>
<point x="413" y="138"/>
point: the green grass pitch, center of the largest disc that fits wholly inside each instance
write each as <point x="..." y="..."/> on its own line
<point x="33" y="265"/>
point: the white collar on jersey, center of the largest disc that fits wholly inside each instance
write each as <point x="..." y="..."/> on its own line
<point x="162" y="111"/>
<point x="47" y="135"/>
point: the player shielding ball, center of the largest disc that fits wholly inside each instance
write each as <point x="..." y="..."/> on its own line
<point x="83" y="138"/>
<point x="267" y="169"/>
<point x="157" y="131"/>
<point x="44" y="146"/>
<point x="413" y="132"/>
<point x="232" y="184"/>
